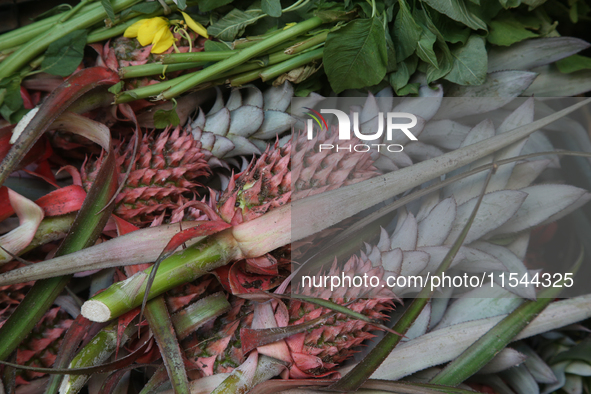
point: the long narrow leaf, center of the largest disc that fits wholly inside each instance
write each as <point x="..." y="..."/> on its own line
<point x="316" y="213"/>
<point x="483" y="350"/>
<point x="85" y="230"/>
<point x="417" y="354"/>
<point x="34" y="125"/>
<point x="163" y="330"/>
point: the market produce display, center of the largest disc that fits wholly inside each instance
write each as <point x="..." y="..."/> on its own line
<point x="187" y="185"/>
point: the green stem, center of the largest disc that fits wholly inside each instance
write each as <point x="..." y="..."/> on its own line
<point x="212" y="56"/>
<point x="309" y="43"/>
<point x="51" y="229"/>
<point x="241" y="57"/>
<point x="195" y="315"/>
<point x="149" y="90"/>
<point x="145" y="70"/>
<point x="26" y="33"/>
<point x="29" y="312"/>
<point x="288" y="65"/>
<point x="95" y="353"/>
<point x="179" y="268"/>
<point x="37" y="45"/>
<point x="69" y="14"/>
<point x="161" y="325"/>
<point x="244" y="69"/>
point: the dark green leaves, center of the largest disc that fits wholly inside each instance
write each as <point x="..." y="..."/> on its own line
<point x="233" y="24"/>
<point x="271" y="8"/>
<point x="456" y="10"/>
<point x="406" y="32"/>
<point x="356" y="56"/>
<point x="164" y="118"/>
<point x="208" y="5"/>
<point x="64" y="55"/>
<point x="506" y="29"/>
<point x="11" y="102"/>
<point x="109" y="10"/>
<point x="574" y="63"/>
<point x="470" y="63"/>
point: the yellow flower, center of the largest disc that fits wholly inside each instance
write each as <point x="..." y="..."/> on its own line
<point x="153" y="31"/>
<point x="195" y="26"/>
<point x="162" y="40"/>
<point x="156" y="31"/>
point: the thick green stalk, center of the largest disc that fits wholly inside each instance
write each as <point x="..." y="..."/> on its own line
<point x="29" y="312"/>
<point x="95" y="13"/>
<point x="148" y="69"/>
<point x="288" y="65"/>
<point x="24" y="34"/>
<point x="186" y="266"/>
<point x="192" y="317"/>
<point x="249" y="71"/>
<point x="149" y="90"/>
<point x="161" y="325"/>
<point x="241" y="57"/>
<point x="95" y="353"/>
<point x="51" y="229"/>
<point x="213" y="56"/>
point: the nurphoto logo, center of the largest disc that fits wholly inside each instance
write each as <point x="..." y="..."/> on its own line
<point x="344" y="129"/>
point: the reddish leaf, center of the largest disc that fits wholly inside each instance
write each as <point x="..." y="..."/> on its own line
<point x="6" y="209"/>
<point x="122" y="323"/>
<point x="44" y="171"/>
<point x="123" y="226"/>
<point x="61" y="201"/>
<point x="242" y="281"/>
<point x="201" y="230"/>
<point x="250" y="338"/>
<point x="55" y="104"/>
<point x="27" y="101"/>
<point x="41" y="150"/>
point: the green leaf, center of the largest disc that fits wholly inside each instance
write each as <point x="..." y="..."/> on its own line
<point x="234" y="23"/>
<point x="470" y="63"/>
<point x="391" y="50"/>
<point x="12" y="95"/>
<point x="164" y="118"/>
<point x="356" y="56"/>
<point x="451" y="30"/>
<point x="510" y="3"/>
<point x="108" y="9"/>
<point x="146" y="8"/>
<point x="212" y="46"/>
<point x="64" y="55"/>
<point x="209" y="5"/>
<point x="399" y="79"/>
<point x="11" y="102"/>
<point x="425" y="48"/>
<point x="442" y="52"/>
<point x="505" y="30"/>
<point x="271" y="8"/>
<point x="456" y="10"/>
<point x="182" y="4"/>
<point x="574" y="63"/>
<point x="406" y="32"/>
<point x="115" y="89"/>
